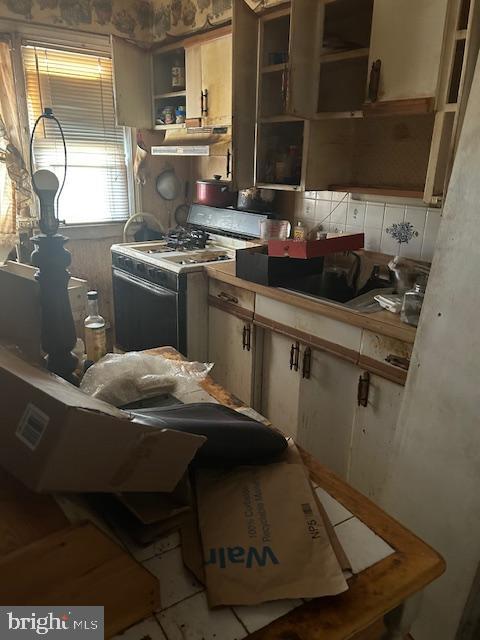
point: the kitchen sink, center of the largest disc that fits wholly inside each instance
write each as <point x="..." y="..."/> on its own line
<point x="335" y="290"/>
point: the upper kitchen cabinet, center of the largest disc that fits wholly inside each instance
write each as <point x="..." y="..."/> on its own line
<point x="406" y="49"/>
<point x="209" y="81"/>
<point x="190" y="79"/>
<point x="132" y="83"/>
<point x="343" y="68"/>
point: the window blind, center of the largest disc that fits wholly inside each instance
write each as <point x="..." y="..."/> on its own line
<point x="79" y="89"/>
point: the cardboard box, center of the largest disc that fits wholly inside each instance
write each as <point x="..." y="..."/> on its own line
<point x="53" y="437"/>
<point x="20" y="320"/>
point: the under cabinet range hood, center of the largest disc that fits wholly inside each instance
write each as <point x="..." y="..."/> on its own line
<point x="194" y="141"/>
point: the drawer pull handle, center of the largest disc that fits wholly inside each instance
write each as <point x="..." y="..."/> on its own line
<point x="363" y="389"/>
<point x="227" y="297"/>
<point x="294" y="356"/>
<point x="307" y="363"/>
<point x="398" y="361"/>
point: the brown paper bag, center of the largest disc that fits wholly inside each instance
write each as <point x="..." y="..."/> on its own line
<point x="263" y="536"/>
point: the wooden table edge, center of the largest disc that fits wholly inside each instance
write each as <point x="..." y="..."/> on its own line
<point x="413" y="557"/>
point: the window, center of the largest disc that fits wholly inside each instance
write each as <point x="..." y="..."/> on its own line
<point x="79" y="89"/>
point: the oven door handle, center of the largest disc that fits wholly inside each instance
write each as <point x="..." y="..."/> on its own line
<point x="143" y="284"/>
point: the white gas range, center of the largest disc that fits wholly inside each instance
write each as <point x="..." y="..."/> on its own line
<point x="160" y="287"/>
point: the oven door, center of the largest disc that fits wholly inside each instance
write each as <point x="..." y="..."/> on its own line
<point x="146" y="314"/>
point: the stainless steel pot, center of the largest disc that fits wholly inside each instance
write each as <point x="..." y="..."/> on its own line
<point x="255" y="199"/>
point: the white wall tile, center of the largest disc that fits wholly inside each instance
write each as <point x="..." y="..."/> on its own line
<point x="339" y="195"/>
<point x="176" y="582"/>
<point x="434" y="217"/>
<point x="356" y="213"/>
<point x="308" y="208"/>
<point x="416" y="216"/>
<point x="193" y="620"/>
<point x="393" y="213"/>
<point x="259" y="616"/>
<point x="374" y="214"/>
<point x="148" y="628"/>
<point x="362" y="546"/>
<point x="324" y="195"/>
<point x="338" y="214"/>
<point x="373" y="238"/>
<point x="388" y="244"/>
<point x="322" y="211"/>
<point x="412" y="249"/>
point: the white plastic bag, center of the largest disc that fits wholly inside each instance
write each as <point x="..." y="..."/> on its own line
<point x="123" y="378"/>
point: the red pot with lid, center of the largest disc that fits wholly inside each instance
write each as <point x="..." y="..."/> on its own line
<point x="214" y="193"/>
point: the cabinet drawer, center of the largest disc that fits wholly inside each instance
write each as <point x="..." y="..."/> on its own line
<point x="232" y="295"/>
<point x="310" y="324"/>
<point x="385" y="356"/>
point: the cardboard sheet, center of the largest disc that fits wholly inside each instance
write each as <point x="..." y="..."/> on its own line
<point x="263" y="536"/>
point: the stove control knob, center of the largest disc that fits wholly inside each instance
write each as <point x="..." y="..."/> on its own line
<point x="128" y="263"/>
<point x="120" y="261"/>
<point x="152" y="272"/>
<point x="141" y="268"/>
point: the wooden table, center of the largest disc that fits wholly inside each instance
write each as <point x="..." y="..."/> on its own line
<point x="385" y="590"/>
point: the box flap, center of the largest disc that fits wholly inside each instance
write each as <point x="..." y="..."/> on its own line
<point x="53" y="386"/>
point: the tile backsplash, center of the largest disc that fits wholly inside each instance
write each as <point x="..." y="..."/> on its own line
<point x="395" y="229"/>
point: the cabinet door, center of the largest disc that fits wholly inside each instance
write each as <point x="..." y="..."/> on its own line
<point x="306" y="38"/>
<point x="407" y="37"/>
<point x="328" y="394"/>
<point x="280" y="384"/>
<point x="232" y="354"/>
<point x="132" y="84"/>
<point x="193" y="80"/>
<point x="373" y="433"/>
<point x="216" y="58"/>
<point x="244" y="93"/>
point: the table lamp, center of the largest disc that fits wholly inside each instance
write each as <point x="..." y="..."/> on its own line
<point x="52" y="259"/>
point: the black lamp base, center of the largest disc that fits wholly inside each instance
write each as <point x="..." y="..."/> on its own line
<point x="58" y="329"/>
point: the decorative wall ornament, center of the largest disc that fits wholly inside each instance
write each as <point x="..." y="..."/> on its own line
<point x="402" y="232"/>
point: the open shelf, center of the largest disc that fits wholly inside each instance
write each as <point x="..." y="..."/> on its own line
<point x="275" y="41"/>
<point x="274" y="68"/>
<point x="380" y="191"/>
<point x="342" y="83"/>
<point x="281" y="118"/>
<point x="170" y="94"/>
<point x="347" y="27"/>
<point x="280" y="152"/>
<point x="278" y="186"/>
<point x="168" y="127"/>
<point x="345" y="55"/>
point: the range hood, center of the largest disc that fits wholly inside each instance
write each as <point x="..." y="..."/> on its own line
<point x="194" y="141"/>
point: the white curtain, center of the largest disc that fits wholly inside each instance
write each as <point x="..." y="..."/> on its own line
<point x="15" y="189"/>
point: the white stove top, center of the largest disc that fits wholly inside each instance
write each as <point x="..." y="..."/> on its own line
<point x="157" y="253"/>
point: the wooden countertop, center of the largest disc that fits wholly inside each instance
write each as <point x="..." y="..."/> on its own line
<point x="382" y="322"/>
<point x="374" y="591"/>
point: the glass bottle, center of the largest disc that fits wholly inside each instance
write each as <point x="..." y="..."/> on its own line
<point x="95" y="334"/>
<point x="412" y="304"/>
<point x="299" y="232"/>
